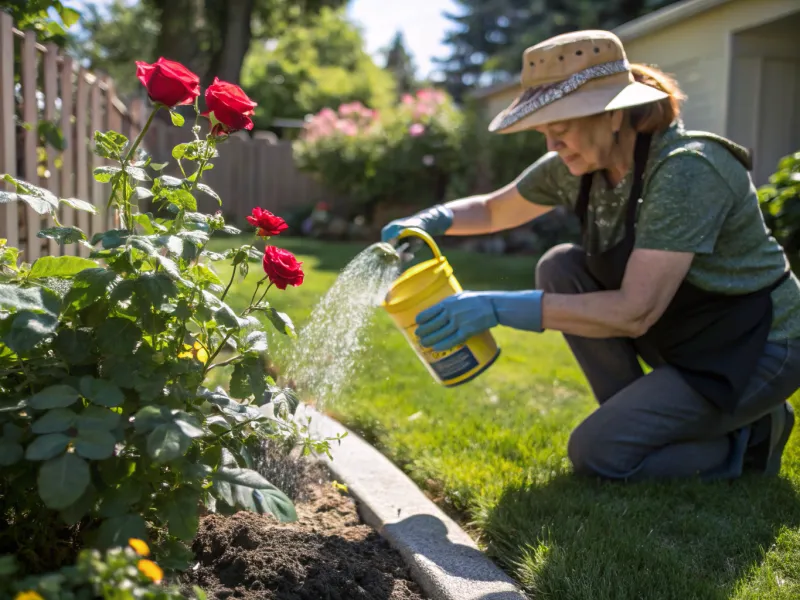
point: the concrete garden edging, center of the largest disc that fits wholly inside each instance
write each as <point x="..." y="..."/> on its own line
<point x="443" y="559"/>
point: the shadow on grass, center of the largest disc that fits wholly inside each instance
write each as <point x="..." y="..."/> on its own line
<point x="573" y="538"/>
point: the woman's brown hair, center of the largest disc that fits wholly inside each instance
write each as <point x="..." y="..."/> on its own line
<point x="656" y="116"/>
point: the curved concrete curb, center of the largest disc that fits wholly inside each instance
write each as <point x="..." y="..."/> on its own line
<point x="443" y="559"/>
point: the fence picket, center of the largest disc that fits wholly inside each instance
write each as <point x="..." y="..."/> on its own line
<point x="30" y="116"/>
<point x="68" y="155"/>
<point x="9" y="211"/>
<point x="50" y="96"/>
<point x="82" y="154"/>
<point x="96" y="120"/>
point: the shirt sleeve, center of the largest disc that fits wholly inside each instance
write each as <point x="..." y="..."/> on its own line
<point x="546" y="182"/>
<point x="684" y="206"/>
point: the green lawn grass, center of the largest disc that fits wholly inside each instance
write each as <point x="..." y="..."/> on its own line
<point x="493" y="454"/>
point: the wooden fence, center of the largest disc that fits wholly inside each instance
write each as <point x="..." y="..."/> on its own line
<point x="254" y="171"/>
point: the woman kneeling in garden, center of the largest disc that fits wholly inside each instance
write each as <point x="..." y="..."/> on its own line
<point x="676" y="267"/>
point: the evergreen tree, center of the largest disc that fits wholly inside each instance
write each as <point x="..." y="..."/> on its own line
<point x="400" y="64"/>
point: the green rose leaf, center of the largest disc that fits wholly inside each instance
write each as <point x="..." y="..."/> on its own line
<point x="139" y="194"/>
<point x="104" y="174"/>
<point x="63" y="235"/>
<point x="45" y="447"/>
<point x="101" y="391"/>
<point x="177" y="120"/>
<point x="118" y="501"/>
<point x="95" y="444"/>
<point x="182" y="199"/>
<point x="88" y="286"/>
<point x="63" y="480"/>
<point x="218" y="424"/>
<point x="79" y="204"/>
<point x="116" y="531"/>
<point x="28" y="329"/>
<point x="60" y="266"/>
<point x="158" y="166"/>
<point x="97" y="418"/>
<point x="281" y="321"/>
<point x="149" y="417"/>
<point x="254" y="343"/>
<point x="117" y="336"/>
<point x="155" y="289"/>
<point x="74" y="346"/>
<point x="137" y="173"/>
<point x="37" y="299"/>
<point x="10" y="452"/>
<point x="40" y="205"/>
<point x="224" y="315"/>
<point x="167" y="442"/>
<point x="231" y="230"/>
<point x="252" y="492"/>
<point x="81" y="507"/>
<point x="188" y="424"/>
<point x="113" y="238"/>
<point x="55" y="396"/>
<point x="207" y="190"/>
<point x="182" y="514"/>
<point x="55" y="420"/>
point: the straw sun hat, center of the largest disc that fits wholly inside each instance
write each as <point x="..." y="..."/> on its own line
<point x="570" y="76"/>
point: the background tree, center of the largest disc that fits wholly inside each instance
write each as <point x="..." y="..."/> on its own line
<point x="35" y="15"/>
<point x="400" y="64"/>
<point x="309" y="67"/>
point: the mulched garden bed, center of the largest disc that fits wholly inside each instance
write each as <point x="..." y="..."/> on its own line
<point x="327" y="554"/>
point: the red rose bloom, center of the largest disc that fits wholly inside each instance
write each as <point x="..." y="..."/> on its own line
<point x="168" y="82"/>
<point x="282" y="267"/>
<point x="267" y="223"/>
<point x="229" y="108"/>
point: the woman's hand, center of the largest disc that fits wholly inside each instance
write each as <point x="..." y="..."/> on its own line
<point x="435" y="221"/>
<point x="459" y="317"/>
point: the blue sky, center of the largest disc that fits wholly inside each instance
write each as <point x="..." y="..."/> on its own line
<point x="421" y="22"/>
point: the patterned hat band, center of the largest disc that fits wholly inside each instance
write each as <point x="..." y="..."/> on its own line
<point x="535" y="98"/>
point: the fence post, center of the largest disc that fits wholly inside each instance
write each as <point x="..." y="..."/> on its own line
<point x="31" y="118"/>
<point x="50" y="95"/>
<point x="96" y="161"/>
<point x="67" y="162"/>
<point x="82" y="155"/>
<point x="9" y="212"/>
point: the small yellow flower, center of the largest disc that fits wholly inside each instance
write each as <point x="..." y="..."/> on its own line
<point x="29" y="595"/>
<point x="197" y="351"/>
<point x="150" y="570"/>
<point x="140" y="547"/>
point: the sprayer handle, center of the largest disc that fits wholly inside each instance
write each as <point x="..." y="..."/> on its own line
<point x="424" y="236"/>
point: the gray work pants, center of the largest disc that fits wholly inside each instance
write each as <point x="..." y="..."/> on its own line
<point x="655" y="426"/>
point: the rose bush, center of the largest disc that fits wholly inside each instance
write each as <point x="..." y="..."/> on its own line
<point x="108" y="430"/>
<point x="406" y="155"/>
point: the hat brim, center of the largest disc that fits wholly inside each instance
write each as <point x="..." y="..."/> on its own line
<point x="580" y="103"/>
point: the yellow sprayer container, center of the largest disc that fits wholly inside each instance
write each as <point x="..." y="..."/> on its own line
<point x="420" y="287"/>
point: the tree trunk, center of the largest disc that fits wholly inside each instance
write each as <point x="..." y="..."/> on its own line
<point x="227" y="59"/>
<point x="178" y="38"/>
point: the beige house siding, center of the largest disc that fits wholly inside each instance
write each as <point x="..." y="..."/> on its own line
<point x="699" y="51"/>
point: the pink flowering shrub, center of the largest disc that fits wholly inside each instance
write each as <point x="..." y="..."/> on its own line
<point x="406" y="154"/>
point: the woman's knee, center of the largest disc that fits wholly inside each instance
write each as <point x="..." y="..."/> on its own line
<point x="559" y="268"/>
<point x="592" y="451"/>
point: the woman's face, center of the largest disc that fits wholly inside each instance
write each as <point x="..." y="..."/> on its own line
<point x="584" y="144"/>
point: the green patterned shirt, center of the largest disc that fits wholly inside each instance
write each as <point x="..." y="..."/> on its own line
<point x="698" y="197"/>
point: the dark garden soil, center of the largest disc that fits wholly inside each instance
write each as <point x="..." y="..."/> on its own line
<point x="327" y="554"/>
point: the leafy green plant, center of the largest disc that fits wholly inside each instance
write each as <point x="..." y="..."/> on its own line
<point x="123" y="573"/>
<point x="780" y="204"/>
<point x="107" y="429"/>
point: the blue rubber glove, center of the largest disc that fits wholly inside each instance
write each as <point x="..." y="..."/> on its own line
<point x="459" y="317"/>
<point x="435" y="221"/>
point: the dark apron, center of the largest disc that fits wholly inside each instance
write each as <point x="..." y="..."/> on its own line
<point x="713" y="340"/>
